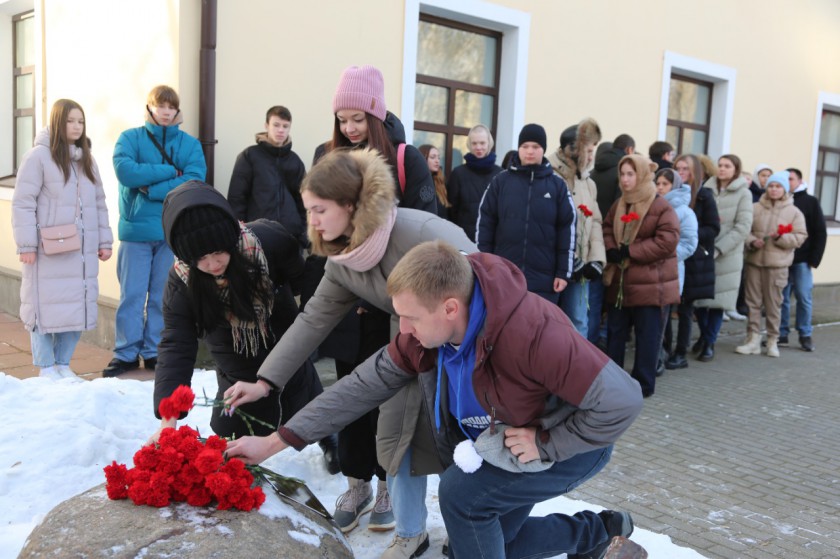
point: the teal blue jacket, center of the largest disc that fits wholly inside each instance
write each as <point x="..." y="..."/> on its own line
<point x="145" y="177"/>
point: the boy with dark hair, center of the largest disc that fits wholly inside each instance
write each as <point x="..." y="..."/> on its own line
<point x="805" y="258"/>
<point x="266" y="177"/>
<point x="663" y="154"/>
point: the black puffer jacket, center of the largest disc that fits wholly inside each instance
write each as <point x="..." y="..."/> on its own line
<point x="813" y="248"/>
<point x="700" y="266"/>
<point x="265" y="183"/>
<point x="179" y="339"/>
<point x="465" y="187"/>
<point x="528" y="216"/>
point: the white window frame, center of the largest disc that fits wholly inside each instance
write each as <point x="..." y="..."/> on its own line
<point x="830" y="101"/>
<point x="723" y="96"/>
<point x="515" y="27"/>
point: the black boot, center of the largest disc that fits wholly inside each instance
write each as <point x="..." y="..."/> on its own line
<point x="329" y="445"/>
<point x="676" y="361"/>
<point x="698" y="345"/>
<point x="708" y="353"/>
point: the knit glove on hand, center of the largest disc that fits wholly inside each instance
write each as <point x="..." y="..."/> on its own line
<point x="613" y="255"/>
<point x="592" y="270"/>
<point x="625" y="251"/>
<point x="577" y="269"/>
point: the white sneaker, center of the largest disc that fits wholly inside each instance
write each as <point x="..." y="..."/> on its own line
<point x="735" y="315"/>
<point x="65" y="371"/>
<point x="50" y="373"/>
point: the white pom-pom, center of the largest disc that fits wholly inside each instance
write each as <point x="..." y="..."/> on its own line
<point x="466" y="457"/>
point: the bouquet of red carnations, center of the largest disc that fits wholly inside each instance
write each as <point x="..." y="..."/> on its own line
<point x="182" y="467"/>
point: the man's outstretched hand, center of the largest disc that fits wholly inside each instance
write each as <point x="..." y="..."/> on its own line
<point x="253" y="450"/>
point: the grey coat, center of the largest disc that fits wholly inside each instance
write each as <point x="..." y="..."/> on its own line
<point x="338" y="291"/>
<point x="736" y="212"/>
<point x="59" y="292"/>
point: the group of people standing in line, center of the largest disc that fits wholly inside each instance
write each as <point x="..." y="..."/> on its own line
<point x="594" y="233"/>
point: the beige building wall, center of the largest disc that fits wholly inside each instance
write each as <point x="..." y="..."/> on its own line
<point x="605" y="59"/>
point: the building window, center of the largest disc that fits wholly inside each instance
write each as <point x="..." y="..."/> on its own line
<point x="457" y="85"/>
<point x="23" y="41"/>
<point x="689" y="114"/>
<point x="828" y="165"/>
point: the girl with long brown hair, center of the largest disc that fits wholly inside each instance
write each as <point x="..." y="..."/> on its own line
<point x="58" y="183"/>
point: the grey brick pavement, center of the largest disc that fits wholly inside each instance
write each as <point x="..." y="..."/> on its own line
<point x="739" y="457"/>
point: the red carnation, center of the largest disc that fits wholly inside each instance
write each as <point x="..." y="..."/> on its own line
<point x="632" y="216"/>
<point x="216" y="443"/>
<point x="146" y="458"/>
<point x="116" y="476"/>
<point x="208" y="461"/>
<point x="785" y="228"/>
<point x="584" y="210"/>
<point x="180" y="401"/>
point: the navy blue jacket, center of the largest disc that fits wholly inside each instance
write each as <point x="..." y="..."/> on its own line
<point x="528" y="216"/>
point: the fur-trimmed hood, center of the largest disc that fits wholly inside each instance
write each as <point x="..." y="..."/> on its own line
<point x="585" y="132"/>
<point x="376" y="200"/>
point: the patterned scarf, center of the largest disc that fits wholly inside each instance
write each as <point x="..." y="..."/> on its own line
<point x="247" y="336"/>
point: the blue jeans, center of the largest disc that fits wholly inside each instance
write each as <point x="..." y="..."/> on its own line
<point x="801" y="278"/>
<point x="709" y="322"/>
<point x="53" y="349"/>
<point x="487" y="513"/>
<point x="408" y="499"/>
<point x="142" y="269"/>
<point x="574" y="300"/>
<point x="596" y="305"/>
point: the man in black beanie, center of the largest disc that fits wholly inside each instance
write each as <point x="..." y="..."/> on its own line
<point x="528" y="216"/>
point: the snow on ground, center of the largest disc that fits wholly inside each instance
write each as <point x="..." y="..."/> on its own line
<point x="58" y="435"/>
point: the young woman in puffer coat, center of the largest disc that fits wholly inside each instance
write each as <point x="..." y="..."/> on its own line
<point x="670" y="186"/>
<point x="58" y="183"/>
<point x="778" y="229"/>
<point x="572" y="161"/>
<point x="734" y="203"/>
<point x="699" y="267"/>
<point x="641" y="233"/>
<point x="353" y="222"/>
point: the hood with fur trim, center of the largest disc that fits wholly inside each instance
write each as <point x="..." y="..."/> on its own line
<point x="588" y="132"/>
<point x="373" y="208"/>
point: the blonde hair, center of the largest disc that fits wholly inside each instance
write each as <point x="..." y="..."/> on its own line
<point x="433" y="271"/>
<point x="482" y="128"/>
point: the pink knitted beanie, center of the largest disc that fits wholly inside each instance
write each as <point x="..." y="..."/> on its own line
<point x="363" y="89"/>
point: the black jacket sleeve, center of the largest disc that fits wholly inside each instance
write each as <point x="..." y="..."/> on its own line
<point x="282" y="252"/>
<point x="178" y="345"/>
<point x="239" y="190"/>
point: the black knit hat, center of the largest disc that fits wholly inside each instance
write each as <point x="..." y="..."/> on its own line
<point x="533" y="133"/>
<point x="568" y="136"/>
<point x="201" y="230"/>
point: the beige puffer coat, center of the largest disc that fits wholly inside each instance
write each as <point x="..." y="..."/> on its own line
<point x="589" y="240"/>
<point x="767" y="216"/>
<point x="58" y="292"/>
<point x="735" y="209"/>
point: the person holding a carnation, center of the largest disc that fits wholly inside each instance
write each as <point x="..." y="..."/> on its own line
<point x="778" y="229"/>
<point x="231" y="286"/>
<point x="641" y="233"/>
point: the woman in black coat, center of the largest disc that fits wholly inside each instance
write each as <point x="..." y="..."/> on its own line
<point x="699" y="267"/>
<point x="231" y="287"/>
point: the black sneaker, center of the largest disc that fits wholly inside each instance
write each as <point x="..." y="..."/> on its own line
<point x="117" y="367"/>
<point x="784" y="342"/>
<point x="616" y="524"/>
<point x="805" y="343"/>
<point x="149" y="363"/>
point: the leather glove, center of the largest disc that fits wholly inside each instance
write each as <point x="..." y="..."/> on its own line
<point x="577" y="266"/>
<point x="613" y="255"/>
<point x="592" y="270"/>
<point x="625" y="252"/>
